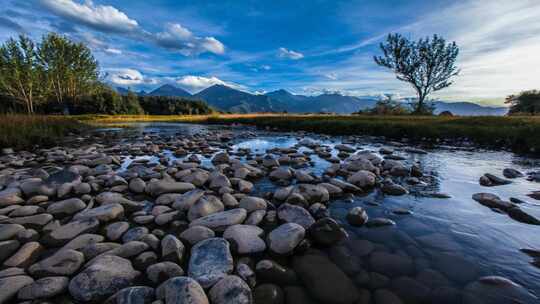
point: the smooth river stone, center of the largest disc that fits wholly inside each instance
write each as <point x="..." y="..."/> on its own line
<point x="210" y="261"/>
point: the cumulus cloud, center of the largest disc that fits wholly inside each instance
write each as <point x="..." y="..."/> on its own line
<point x="108" y="19"/>
<point x="125" y="77"/>
<point x="100" y="17"/>
<point x="179" y="38"/>
<point x="289" y="54"/>
<point x="197" y="83"/>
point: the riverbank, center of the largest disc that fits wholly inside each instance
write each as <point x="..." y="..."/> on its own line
<point x="25" y="132"/>
<point x="518" y="134"/>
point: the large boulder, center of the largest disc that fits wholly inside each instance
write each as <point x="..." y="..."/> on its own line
<point x="210" y="261"/>
<point x="324" y="281"/>
<point x="103" y="277"/>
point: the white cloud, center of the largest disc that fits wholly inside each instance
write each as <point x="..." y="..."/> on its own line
<point x="125" y="77"/>
<point x="109" y="19"/>
<point x="331" y="76"/>
<point x="100" y="17"/>
<point x="197" y="83"/>
<point x="113" y="51"/>
<point x="289" y="54"/>
<point x="179" y="38"/>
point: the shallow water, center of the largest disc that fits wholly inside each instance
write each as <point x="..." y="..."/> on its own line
<point x="457" y="237"/>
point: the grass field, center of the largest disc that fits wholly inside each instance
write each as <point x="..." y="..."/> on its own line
<point x="520" y="134"/>
<point x="26" y="132"/>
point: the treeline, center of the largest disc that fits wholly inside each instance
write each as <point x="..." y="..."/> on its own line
<point x="58" y="75"/>
<point x="525" y="103"/>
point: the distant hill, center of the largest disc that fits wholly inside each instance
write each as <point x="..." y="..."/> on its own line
<point x="169" y="91"/>
<point x="228" y="99"/>
<point x="124" y="91"/>
<point x="469" y="109"/>
<point x="334" y="102"/>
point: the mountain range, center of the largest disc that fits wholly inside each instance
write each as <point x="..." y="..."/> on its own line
<point x="228" y="99"/>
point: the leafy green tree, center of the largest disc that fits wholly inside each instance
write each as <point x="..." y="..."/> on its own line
<point x="427" y="64"/>
<point x="70" y="68"/>
<point x="20" y="73"/>
<point x="526" y="102"/>
<point x="387" y="105"/>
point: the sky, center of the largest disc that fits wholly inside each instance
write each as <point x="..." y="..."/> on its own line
<point x="306" y="47"/>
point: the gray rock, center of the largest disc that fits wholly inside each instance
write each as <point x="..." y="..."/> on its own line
<point x="188" y="199"/>
<point x="181" y="290"/>
<point x="157" y="187"/>
<point x="69" y="231"/>
<point x="37" y="221"/>
<point x="9" y="231"/>
<point x="62" y="263"/>
<point x="103" y="277"/>
<point x="137" y="185"/>
<point x="210" y="261"/>
<point x="8" y="248"/>
<point x="490" y="180"/>
<point x="295" y="214"/>
<point x="115" y="231"/>
<point x="230" y="290"/>
<point x="135" y="295"/>
<point x="246" y="239"/>
<point x="285" y="238"/>
<point x="357" y="216"/>
<point x="9" y="286"/>
<point x="327" y="232"/>
<point x="44" y="288"/>
<point x="206" y="205"/>
<point x="134" y="234"/>
<point x="492" y="201"/>
<point x="163" y="271"/>
<point x="391" y="188"/>
<point x="66" y="207"/>
<point x="172" y="249"/>
<point x="512" y="173"/>
<point x="363" y="179"/>
<point x="324" y="280"/>
<point x="25" y="256"/>
<point x="221" y="220"/>
<point x="195" y="234"/>
<point x="252" y="203"/>
<point x="10" y="196"/>
<point x="105" y="213"/>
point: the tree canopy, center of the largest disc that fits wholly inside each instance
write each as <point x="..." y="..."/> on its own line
<point x="526" y="102"/>
<point x="427" y="64"/>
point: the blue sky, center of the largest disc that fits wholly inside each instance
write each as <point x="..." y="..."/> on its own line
<point x="306" y="47"/>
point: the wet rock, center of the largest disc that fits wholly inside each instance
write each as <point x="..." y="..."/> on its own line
<point x="188" y="199"/>
<point x="268" y="294"/>
<point x="67" y="232"/>
<point x="295" y="214"/>
<point x="535" y="195"/>
<point x="345" y="259"/>
<point x="391" y="188"/>
<point x="10" y="196"/>
<point x="158" y="187"/>
<point x="272" y="272"/>
<point x="230" y="289"/>
<point x="9" y="231"/>
<point x="221" y="220"/>
<point x="490" y="180"/>
<point x="284" y="239"/>
<point x="7" y="248"/>
<point x="324" y="280"/>
<point x="219" y="181"/>
<point x="44" y="288"/>
<point x="246" y="239"/>
<point x="105" y="213"/>
<point x="391" y="264"/>
<point x="357" y="216"/>
<point x="312" y="193"/>
<point x="163" y="271"/>
<point x="62" y="263"/>
<point x="103" y="277"/>
<point x="252" y="203"/>
<point x="496" y="290"/>
<point x="379" y="222"/>
<point x="363" y="179"/>
<point x="195" y="234"/>
<point x="135" y="295"/>
<point x="492" y="201"/>
<point x="9" y="286"/>
<point x="25" y="256"/>
<point x="210" y="261"/>
<point x="181" y="290"/>
<point x="115" y="230"/>
<point x="172" y="249"/>
<point x="206" y="205"/>
<point x="512" y="173"/>
<point x="326" y="232"/>
<point x="220" y="158"/>
<point x="521" y="216"/>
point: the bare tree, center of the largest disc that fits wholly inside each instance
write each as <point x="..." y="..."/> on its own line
<point x="427" y="64"/>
